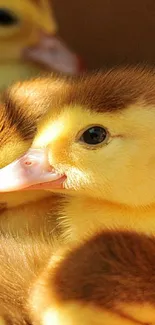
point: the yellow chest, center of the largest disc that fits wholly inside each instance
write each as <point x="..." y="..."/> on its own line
<point x="83" y="217"/>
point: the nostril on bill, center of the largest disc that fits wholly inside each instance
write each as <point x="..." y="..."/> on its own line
<point x="28" y="163"/>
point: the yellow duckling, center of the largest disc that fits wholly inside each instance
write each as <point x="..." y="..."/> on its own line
<point x="27" y="219"/>
<point x="28" y="45"/>
<point x="95" y="146"/>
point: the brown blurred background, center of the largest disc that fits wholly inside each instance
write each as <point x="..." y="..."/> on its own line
<point x="108" y="32"/>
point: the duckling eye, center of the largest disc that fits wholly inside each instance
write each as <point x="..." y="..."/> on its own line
<point x="94" y="135"/>
<point x="7" y="18"/>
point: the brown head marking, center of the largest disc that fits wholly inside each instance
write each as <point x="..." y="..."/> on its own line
<point x="114" y="90"/>
<point x="104" y="91"/>
<point x="17" y="115"/>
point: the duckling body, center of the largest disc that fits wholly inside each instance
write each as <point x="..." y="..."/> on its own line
<point x="108" y="279"/>
<point x="103" y="165"/>
<point x="28" y="235"/>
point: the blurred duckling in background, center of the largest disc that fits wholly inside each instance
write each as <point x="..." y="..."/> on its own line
<point x="28" y="42"/>
<point x="95" y="147"/>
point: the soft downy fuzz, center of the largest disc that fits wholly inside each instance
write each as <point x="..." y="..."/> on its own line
<point x="28" y="225"/>
<point x="95" y="148"/>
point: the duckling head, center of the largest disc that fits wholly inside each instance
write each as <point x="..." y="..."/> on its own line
<point x="28" y="33"/>
<point x="18" y="126"/>
<point x="96" y="139"/>
<point x="17" y="130"/>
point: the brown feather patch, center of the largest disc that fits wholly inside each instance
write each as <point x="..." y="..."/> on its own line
<point x="104" y="91"/>
<point x="114" y="90"/>
<point x="16" y="116"/>
<point x="109" y="269"/>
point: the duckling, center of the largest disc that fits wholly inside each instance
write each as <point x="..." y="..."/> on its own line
<point x="27" y="219"/>
<point x="28" y="41"/>
<point x="94" y="146"/>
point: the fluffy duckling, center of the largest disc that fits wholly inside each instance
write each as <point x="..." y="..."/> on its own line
<point x="27" y="219"/>
<point x="95" y="147"/>
<point x="28" y="42"/>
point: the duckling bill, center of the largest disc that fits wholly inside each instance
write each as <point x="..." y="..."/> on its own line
<point x="32" y="168"/>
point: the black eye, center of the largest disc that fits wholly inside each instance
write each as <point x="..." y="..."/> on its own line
<point x="94" y="135"/>
<point x="7" y="18"/>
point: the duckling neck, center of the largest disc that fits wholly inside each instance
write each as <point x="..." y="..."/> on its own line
<point x="12" y="71"/>
<point x="86" y="215"/>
